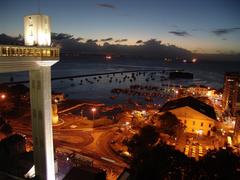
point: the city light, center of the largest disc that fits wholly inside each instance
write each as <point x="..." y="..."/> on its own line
<point x="93" y="111"/>
<point x="200" y="132"/>
<point x="3" y="96"/>
<point x="108" y="57"/>
<point x="209" y="93"/>
<point x="194" y="60"/>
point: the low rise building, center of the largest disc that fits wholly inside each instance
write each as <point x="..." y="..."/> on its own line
<point x="198" y="117"/>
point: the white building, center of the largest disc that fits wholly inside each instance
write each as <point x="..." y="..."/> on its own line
<point x="38" y="61"/>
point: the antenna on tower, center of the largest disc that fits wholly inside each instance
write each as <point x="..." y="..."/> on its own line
<point x="39" y="10"/>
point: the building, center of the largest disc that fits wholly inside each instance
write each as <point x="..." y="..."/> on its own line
<point x="12" y="146"/>
<point x="237" y="130"/>
<point x="37" y="30"/>
<point x="77" y="173"/>
<point x="198" y="117"/>
<point x="125" y="175"/>
<point x="37" y="57"/>
<point x="231" y="92"/>
<point x="55" y="118"/>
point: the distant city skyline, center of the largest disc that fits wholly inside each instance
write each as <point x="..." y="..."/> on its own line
<point x="199" y="26"/>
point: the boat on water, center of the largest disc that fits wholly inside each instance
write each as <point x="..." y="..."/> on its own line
<point x="167" y="60"/>
<point x="194" y="60"/>
<point x="108" y="57"/>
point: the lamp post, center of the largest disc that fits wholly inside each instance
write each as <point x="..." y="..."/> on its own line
<point x="93" y="111"/>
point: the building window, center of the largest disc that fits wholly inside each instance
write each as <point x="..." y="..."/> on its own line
<point x="193" y="122"/>
<point x="185" y="121"/>
<point x="202" y="124"/>
<point x="210" y="125"/>
<point x="192" y="130"/>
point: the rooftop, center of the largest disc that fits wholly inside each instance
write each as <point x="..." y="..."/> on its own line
<point x="233" y="74"/>
<point x="191" y="102"/>
<point x="77" y="173"/>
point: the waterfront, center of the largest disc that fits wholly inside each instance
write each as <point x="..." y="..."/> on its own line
<point x="99" y="88"/>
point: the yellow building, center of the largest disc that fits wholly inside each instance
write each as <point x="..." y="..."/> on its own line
<point x="237" y="130"/>
<point x="54" y="114"/>
<point x="198" y="117"/>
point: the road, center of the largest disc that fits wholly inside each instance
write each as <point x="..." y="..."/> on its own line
<point x="94" y="143"/>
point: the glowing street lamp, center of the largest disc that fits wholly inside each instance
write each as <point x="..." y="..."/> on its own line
<point x="3" y="96"/>
<point x="93" y="111"/>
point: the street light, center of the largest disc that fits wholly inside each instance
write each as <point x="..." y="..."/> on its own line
<point x="3" y="96"/>
<point x="93" y="111"/>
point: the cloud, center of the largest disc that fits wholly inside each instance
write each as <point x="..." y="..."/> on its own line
<point x="174" y="26"/>
<point x="121" y="40"/>
<point x="61" y="36"/>
<point x="79" y="39"/>
<point x="105" y="5"/>
<point x="179" y="33"/>
<point x="152" y="42"/>
<point x="197" y="29"/>
<point x="91" y="41"/>
<point x="107" y="39"/>
<point x="139" y="42"/>
<point x="6" y="39"/>
<point x="218" y="51"/>
<point x="222" y="31"/>
<point x="71" y="46"/>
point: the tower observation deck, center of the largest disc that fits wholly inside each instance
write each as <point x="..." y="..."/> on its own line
<point x="37" y="57"/>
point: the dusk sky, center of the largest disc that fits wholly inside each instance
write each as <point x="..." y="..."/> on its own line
<point x="204" y="26"/>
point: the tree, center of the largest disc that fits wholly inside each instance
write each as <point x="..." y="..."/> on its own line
<point x="161" y="162"/>
<point x="141" y="142"/>
<point x="170" y="124"/>
<point x="148" y="135"/>
<point x="218" y="164"/>
<point x="6" y="129"/>
<point x="156" y="160"/>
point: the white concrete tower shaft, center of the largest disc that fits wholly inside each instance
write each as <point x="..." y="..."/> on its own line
<point x="40" y="92"/>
